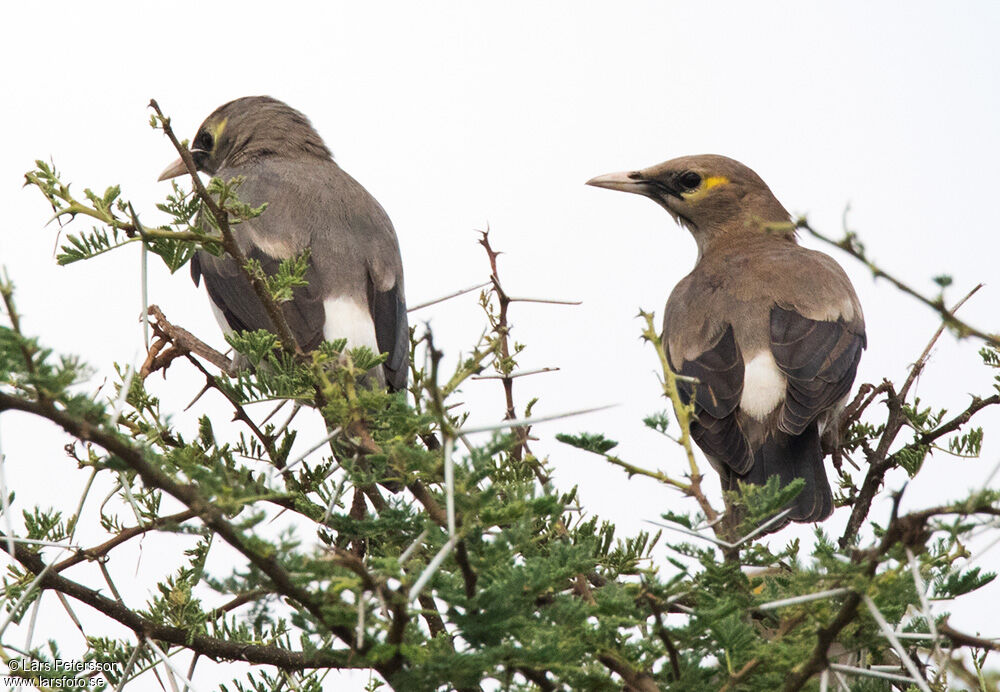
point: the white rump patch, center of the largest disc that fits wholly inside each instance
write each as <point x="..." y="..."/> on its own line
<point x="763" y="386"/>
<point x="346" y="319"/>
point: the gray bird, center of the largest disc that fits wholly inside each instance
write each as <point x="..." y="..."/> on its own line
<point x="772" y="331"/>
<point x="355" y="275"/>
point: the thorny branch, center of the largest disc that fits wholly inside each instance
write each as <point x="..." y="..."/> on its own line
<point x="684" y="414"/>
<point x="506" y="365"/>
<point x="203" y="644"/>
<point x="909" y="530"/>
<point x="850" y="244"/>
<point x="188" y="494"/>
<point x="880" y="460"/>
<point x="178" y="342"/>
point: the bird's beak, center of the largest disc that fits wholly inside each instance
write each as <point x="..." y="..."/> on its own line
<point x="631" y="181"/>
<point x="173" y="170"/>
<point x="178" y="168"/>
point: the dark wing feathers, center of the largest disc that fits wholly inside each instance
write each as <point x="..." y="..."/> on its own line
<point x="392" y="332"/>
<point x="819" y="358"/>
<point x="233" y="295"/>
<point x="719" y="375"/>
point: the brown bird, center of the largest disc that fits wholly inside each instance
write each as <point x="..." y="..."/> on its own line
<point x="771" y="331"/>
<point x="355" y="274"/>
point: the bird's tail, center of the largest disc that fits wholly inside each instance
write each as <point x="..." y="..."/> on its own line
<point x="796" y="456"/>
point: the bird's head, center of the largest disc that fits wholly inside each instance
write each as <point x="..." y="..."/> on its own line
<point x="246" y="129"/>
<point x="709" y="194"/>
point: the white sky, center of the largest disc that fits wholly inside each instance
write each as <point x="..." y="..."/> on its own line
<point x="459" y="115"/>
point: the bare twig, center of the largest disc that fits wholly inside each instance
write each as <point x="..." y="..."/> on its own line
<point x="850" y="245"/>
<point x="182" y="342"/>
<point x="879" y="459"/>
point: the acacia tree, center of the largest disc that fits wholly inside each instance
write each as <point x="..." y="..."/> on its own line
<point x="480" y="573"/>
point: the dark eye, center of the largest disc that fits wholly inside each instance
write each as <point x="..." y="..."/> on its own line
<point x="203" y="141"/>
<point x="689" y="180"/>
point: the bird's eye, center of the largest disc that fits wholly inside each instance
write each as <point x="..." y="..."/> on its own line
<point x="689" y="180"/>
<point x="203" y="141"/>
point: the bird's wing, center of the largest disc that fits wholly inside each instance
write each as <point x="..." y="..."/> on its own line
<point x="354" y="252"/>
<point x="715" y="380"/>
<point x="233" y="295"/>
<point x="392" y="332"/>
<point x="819" y="359"/>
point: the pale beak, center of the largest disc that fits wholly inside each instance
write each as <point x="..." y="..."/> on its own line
<point x="626" y="181"/>
<point x="173" y="170"/>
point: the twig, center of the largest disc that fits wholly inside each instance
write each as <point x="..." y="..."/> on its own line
<point x="501" y="327"/>
<point x="204" y="644"/>
<point x="962" y="639"/>
<point x="684" y="413"/>
<point x="850" y="245"/>
<point x="880" y="462"/>
<point x="183" y="342"/>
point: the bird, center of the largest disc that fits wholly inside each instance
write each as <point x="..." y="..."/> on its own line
<point x="766" y="334"/>
<point x="355" y="274"/>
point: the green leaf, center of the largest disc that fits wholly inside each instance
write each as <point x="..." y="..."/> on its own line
<point x="596" y="443"/>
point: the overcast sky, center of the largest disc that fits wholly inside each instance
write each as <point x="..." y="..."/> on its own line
<point x="459" y="116"/>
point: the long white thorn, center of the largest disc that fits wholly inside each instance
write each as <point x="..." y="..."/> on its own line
<point x="520" y="422"/>
<point x="122" y="481"/>
<point x="431" y="568"/>
<point x="123" y="392"/>
<point x="803" y="599"/>
<point x="31" y="623"/>
<point x="683" y="529"/>
<point x="26" y="595"/>
<point x="925" y="606"/>
<point x="169" y="664"/>
<point x="128" y="666"/>
<point x="359" y="633"/>
<point x="455" y="294"/>
<point x="5" y="503"/>
<point x="869" y="673"/>
<point x="891" y="636"/>
<point x="405" y="555"/>
<point x="301" y="457"/>
<point x="776" y="517"/>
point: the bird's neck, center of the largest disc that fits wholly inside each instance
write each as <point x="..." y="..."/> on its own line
<point x="723" y="239"/>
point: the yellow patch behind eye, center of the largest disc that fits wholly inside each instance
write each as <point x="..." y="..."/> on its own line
<point x="706" y="185"/>
<point x="217" y="130"/>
